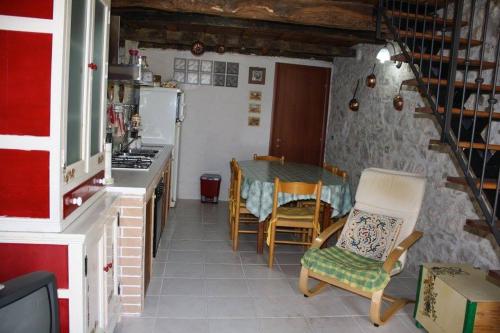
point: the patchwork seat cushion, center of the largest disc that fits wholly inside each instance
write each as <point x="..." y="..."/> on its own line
<point x="348" y="267"/>
<point x="295" y="213"/>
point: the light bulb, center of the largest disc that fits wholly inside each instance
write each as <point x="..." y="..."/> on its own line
<point x="383" y="55"/>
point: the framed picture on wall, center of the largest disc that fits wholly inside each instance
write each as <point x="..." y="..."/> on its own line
<point x="257" y="75"/>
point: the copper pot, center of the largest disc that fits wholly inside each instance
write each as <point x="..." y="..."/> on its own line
<point x="398" y="102"/>
<point x="220" y="49"/>
<point x="197" y="48"/>
<point x="371" y="80"/>
<point x="354" y="105"/>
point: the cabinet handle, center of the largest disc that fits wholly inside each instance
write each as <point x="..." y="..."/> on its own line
<point x="76" y="201"/>
<point x="93" y="66"/>
<point x="110" y="265"/>
<point x="106" y="269"/>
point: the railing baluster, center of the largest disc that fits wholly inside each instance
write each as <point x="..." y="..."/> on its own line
<point x="467" y="63"/>
<point x="415" y="23"/>
<point x="423" y="39"/>
<point x="479" y="79"/>
<point x="407" y="22"/>
<point x="400" y="16"/>
<point x="434" y="16"/>
<point x="443" y="33"/>
<point x="491" y="102"/>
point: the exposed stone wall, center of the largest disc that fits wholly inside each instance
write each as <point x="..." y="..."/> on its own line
<point x="379" y="136"/>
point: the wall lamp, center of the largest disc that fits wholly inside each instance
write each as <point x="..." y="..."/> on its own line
<point x="385" y="55"/>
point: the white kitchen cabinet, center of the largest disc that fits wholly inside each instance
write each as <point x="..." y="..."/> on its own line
<point x="52" y="137"/>
<point x="84" y="260"/>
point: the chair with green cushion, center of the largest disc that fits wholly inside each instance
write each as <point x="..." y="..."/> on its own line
<point x="373" y="243"/>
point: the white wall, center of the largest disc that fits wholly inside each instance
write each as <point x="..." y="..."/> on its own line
<point x="215" y="129"/>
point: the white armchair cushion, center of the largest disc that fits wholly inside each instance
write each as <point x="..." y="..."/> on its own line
<point x="370" y="235"/>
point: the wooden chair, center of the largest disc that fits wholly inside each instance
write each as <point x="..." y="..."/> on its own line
<point x="383" y="192"/>
<point x="269" y="158"/>
<point x="298" y="220"/>
<point x="336" y="171"/>
<point x="238" y="211"/>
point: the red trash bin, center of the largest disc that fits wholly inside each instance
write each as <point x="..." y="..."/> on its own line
<point x="210" y="187"/>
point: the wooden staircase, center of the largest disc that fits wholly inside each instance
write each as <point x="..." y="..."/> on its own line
<point x="437" y="39"/>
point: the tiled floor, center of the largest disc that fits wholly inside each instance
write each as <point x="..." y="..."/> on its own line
<point x="201" y="286"/>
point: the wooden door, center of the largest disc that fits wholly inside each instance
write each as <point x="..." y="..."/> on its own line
<point x="300" y="111"/>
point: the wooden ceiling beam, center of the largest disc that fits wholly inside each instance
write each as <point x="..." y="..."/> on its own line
<point x="353" y="15"/>
<point x="245" y="44"/>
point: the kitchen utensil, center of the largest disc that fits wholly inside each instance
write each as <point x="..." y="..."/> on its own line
<point x="371" y="80"/>
<point x="354" y="104"/>
<point x="398" y="101"/>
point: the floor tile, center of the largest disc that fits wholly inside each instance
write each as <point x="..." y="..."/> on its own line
<point x="223" y="271"/>
<point x="269" y="287"/>
<point x="233" y="325"/>
<point x="252" y="258"/>
<point x="263" y="272"/>
<point x="182" y="286"/>
<point x="221" y="257"/>
<point x="182" y="307"/>
<point x="186" y="245"/>
<point x="291" y="270"/>
<point x="230" y="307"/>
<point x="285" y="325"/>
<point x="186" y="257"/>
<point x="158" y="269"/>
<point x="177" y="269"/>
<point x="150" y="306"/>
<point x="161" y="255"/>
<point x="226" y="287"/>
<point x="325" y="305"/>
<point x="280" y="306"/>
<point x="223" y="245"/>
<point x="166" y="325"/>
<point x="288" y="258"/>
<point x="135" y="325"/>
<point x="335" y="324"/>
<point x="154" y="287"/>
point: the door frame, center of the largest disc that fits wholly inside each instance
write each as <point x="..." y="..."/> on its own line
<point x="325" y="110"/>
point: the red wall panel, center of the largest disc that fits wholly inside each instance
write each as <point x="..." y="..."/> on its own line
<point x="25" y="66"/>
<point x="64" y="315"/>
<point x="27" y="8"/>
<point x="18" y="259"/>
<point x="24" y="183"/>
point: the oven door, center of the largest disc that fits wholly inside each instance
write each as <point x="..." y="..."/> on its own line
<point x="158" y="217"/>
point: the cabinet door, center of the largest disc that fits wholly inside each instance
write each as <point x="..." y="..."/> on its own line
<point x="94" y="282"/>
<point x="77" y="87"/>
<point x="99" y="78"/>
<point x="109" y="300"/>
<point x="87" y="75"/>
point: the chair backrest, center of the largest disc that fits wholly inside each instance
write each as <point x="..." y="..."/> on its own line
<point x="392" y="193"/>
<point x="269" y="158"/>
<point x="336" y="171"/>
<point x="297" y="188"/>
<point x="235" y="187"/>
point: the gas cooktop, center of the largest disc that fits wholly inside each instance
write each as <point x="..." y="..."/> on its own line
<point x="131" y="162"/>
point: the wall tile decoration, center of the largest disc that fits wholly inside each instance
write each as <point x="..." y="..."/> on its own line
<point x="232" y="81"/>
<point x="219" y="80"/>
<point x="219" y="67"/>
<point x="233" y="68"/>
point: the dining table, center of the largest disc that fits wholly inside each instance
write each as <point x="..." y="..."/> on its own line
<point x="258" y="187"/>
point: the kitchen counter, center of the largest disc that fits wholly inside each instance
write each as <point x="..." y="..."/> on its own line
<point x="140" y="182"/>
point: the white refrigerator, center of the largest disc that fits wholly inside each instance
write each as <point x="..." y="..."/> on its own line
<point x="162" y="114"/>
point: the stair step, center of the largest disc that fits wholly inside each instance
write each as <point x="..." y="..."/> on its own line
<point x="466" y="112"/>
<point x="473" y="64"/>
<point x="478" y="227"/>
<point x="438" y="38"/>
<point x="484" y="88"/>
<point x="478" y="145"/>
<point x="411" y="16"/>
<point x="487" y="185"/>
<point x="494" y="275"/>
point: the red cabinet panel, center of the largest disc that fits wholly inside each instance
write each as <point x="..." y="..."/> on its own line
<point x="24" y="183"/>
<point x="84" y="191"/>
<point x="18" y="259"/>
<point x="25" y="64"/>
<point x="27" y="8"/>
<point x="64" y="315"/>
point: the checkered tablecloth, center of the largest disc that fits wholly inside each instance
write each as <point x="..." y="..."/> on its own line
<point x="258" y="186"/>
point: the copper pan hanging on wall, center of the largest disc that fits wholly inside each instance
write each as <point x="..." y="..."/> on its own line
<point x="354" y="103"/>
<point x="398" y="101"/>
<point x="371" y="80"/>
